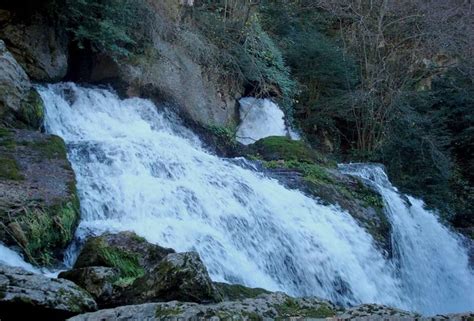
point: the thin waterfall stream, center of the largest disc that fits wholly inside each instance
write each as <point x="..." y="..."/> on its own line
<point x="138" y="168"/>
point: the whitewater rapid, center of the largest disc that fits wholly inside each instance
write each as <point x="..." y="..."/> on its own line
<point x="431" y="261"/>
<point x="139" y="169"/>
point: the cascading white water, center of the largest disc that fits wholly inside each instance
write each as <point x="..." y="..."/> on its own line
<point x="12" y="258"/>
<point x="260" y="118"/>
<point x="432" y="263"/>
<point x="139" y="169"/>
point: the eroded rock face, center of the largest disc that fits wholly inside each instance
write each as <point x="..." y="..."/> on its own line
<point x="171" y="76"/>
<point x="18" y="100"/>
<point x="24" y="294"/>
<point x="40" y="48"/>
<point x="119" y="269"/>
<point x="39" y="208"/>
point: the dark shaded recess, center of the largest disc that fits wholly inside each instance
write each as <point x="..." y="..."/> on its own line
<point x="24" y="311"/>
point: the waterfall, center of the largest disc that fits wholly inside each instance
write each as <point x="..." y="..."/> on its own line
<point x="138" y="168"/>
<point x="430" y="258"/>
<point x="260" y="118"/>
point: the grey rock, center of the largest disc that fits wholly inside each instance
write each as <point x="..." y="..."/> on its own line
<point x="97" y="280"/>
<point x="178" y="67"/>
<point x="24" y="293"/>
<point x="264" y="307"/>
<point x="19" y="101"/>
<point x="275" y="306"/>
<point x="38" y="46"/>
<point x="14" y="82"/>
<point x="179" y="276"/>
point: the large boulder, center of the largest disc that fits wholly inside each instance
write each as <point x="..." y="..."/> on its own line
<point x="128" y="246"/>
<point x="99" y="281"/>
<point x="39" y="208"/>
<point x="24" y="294"/>
<point x="123" y="268"/>
<point x="18" y="99"/>
<point x="39" y="47"/>
<point x="179" y="276"/>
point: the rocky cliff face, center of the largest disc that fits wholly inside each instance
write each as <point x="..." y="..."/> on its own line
<point x="171" y="67"/>
<point x="175" y="67"/>
<point x="20" y="104"/>
<point x="38" y="45"/>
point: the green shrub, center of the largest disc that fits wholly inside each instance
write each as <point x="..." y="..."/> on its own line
<point x="104" y="25"/>
<point x="247" y="51"/>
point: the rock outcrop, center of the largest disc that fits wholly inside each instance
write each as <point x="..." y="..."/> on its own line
<point x="24" y="294"/>
<point x="18" y="99"/>
<point x="177" y="66"/>
<point x="39" y="208"/>
<point x="275" y="306"/>
<point x="298" y="166"/>
<point x="267" y="306"/>
<point x="38" y="46"/>
<point x="123" y="268"/>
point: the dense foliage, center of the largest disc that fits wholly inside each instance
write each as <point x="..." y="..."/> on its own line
<point x="104" y="25"/>
<point x="387" y="82"/>
<point x="246" y="49"/>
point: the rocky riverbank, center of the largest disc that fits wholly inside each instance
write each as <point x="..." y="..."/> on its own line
<point x="126" y="278"/>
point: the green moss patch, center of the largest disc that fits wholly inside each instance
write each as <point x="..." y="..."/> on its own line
<point x="291" y="308"/>
<point x="98" y="252"/>
<point x="283" y="148"/>
<point x="6" y="139"/>
<point x="9" y="169"/>
<point x="162" y="312"/>
<point x="52" y="148"/>
<point x="237" y="292"/>
<point x="32" y="112"/>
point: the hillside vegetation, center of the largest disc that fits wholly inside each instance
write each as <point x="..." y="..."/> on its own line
<point x="377" y="80"/>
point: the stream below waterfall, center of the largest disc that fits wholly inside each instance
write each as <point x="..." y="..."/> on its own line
<point x="138" y="168"/>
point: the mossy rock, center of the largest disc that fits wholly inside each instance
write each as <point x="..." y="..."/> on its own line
<point x="131" y="254"/>
<point x="231" y="292"/>
<point x="98" y="253"/>
<point x="39" y="206"/>
<point x="144" y="272"/>
<point x="32" y="111"/>
<point x="276" y="148"/>
<point x="179" y="276"/>
<point x="9" y="169"/>
<point x="325" y="183"/>
<point x="295" y="308"/>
